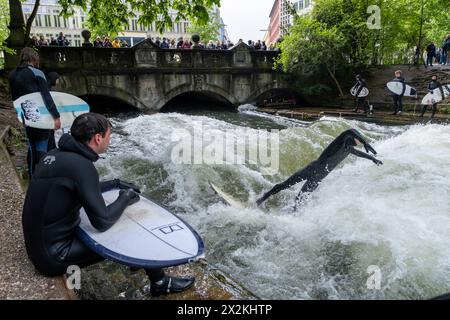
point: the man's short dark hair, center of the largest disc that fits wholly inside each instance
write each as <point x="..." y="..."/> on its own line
<point x="88" y="125"/>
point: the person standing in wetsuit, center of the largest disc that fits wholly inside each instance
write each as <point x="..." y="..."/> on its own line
<point x="317" y="170"/>
<point x="398" y="98"/>
<point x="66" y="180"/>
<point x="25" y="79"/>
<point x="360" y="101"/>
<point x="433" y="85"/>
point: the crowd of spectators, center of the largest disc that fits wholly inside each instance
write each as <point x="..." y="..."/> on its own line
<point x="161" y="42"/>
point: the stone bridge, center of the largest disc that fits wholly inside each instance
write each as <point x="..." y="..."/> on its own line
<point x="147" y="77"/>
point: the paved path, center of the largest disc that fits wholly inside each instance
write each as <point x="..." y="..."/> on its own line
<point x="18" y="278"/>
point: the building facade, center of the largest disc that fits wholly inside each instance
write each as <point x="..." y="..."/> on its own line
<point x="49" y="24"/>
<point x="281" y="18"/>
<point x="273" y="33"/>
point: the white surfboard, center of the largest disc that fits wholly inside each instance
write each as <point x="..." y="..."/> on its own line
<point x="364" y="92"/>
<point x="436" y="95"/>
<point x="31" y="109"/>
<point x="397" y="88"/>
<point x="146" y="236"/>
<point x="227" y="198"/>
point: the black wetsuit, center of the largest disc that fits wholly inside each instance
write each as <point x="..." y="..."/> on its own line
<point x="360" y="101"/>
<point x="398" y="98"/>
<point x="26" y="80"/>
<point x="317" y="170"/>
<point x="64" y="181"/>
<point x="433" y="85"/>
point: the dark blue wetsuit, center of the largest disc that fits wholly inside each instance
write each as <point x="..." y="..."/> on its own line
<point x="317" y="170"/>
<point x="433" y="85"/>
<point x="64" y="181"/>
<point x="398" y="98"/>
<point x="360" y="101"/>
<point x="25" y="80"/>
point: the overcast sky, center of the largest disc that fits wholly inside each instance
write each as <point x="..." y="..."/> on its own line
<point x="244" y="18"/>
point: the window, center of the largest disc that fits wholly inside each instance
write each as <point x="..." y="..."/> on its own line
<point x="38" y="21"/>
<point x="57" y="24"/>
<point x="48" y="20"/>
<point x="134" y="24"/>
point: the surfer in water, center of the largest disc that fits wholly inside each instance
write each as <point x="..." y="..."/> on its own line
<point x="317" y="170"/>
<point x="66" y="180"/>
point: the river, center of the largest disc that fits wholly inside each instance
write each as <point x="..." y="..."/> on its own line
<point x="367" y="232"/>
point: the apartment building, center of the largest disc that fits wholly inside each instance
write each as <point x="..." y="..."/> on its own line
<point x="49" y="24"/>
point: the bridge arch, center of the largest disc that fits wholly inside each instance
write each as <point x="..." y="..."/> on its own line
<point x="210" y="90"/>
<point x="273" y="90"/>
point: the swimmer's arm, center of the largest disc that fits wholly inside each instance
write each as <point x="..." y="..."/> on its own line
<point x="361" y="154"/>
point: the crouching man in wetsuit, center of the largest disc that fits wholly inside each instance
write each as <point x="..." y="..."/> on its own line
<point x="317" y="170"/>
<point x="65" y="181"/>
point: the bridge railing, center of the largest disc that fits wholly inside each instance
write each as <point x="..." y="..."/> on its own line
<point x="145" y="55"/>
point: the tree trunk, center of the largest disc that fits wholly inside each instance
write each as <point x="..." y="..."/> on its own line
<point x="419" y="44"/>
<point x="341" y="93"/>
<point x="30" y="21"/>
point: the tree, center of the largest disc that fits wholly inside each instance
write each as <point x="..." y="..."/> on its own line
<point x="209" y="31"/>
<point x="113" y="15"/>
<point x="311" y="45"/>
<point x="4" y="20"/>
<point x="336" y="40"/>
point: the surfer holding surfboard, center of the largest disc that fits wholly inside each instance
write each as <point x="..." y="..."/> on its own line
<point x="398" y="96"/>
<point x="360" y="91"/>
<point x="66" y="180"/>
<point x="26" y="79"/>
<point x="434" y="85"/>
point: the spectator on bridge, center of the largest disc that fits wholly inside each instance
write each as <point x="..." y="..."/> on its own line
<point x="53" y="41"/>
<point x="107" y="43"/>
<point x="116" y="43"/>
<point x="34" y="42"/>
<point x="98" y="42"/>
<point x="158" y="42"/>
<point x="173" y="44"/>
<point x="62" y="41"/>
<point x="229" y="44"/>
<point x="263" y="46"/>
<point x="164" y="44"/>
<point x="257" y="45"/>
<point x="43" y="41"/>
<point x="186" y="45"/>
<point x="125" y="44"/>
<point x="251" y="45"/>
<point x="180" y="43"/>
<point x="211" y="45"/>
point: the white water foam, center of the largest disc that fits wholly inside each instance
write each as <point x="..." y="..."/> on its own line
<point x="396" y="216"/>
